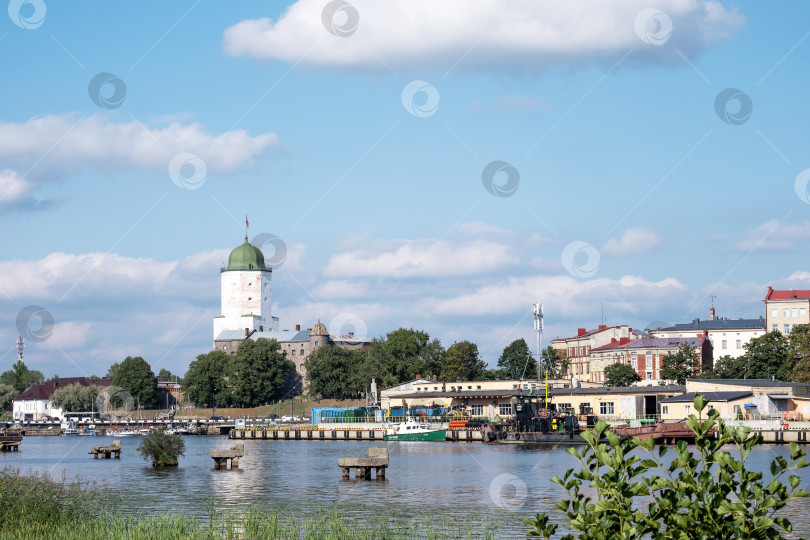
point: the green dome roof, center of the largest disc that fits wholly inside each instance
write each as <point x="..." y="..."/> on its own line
<point x="246" y="257"/>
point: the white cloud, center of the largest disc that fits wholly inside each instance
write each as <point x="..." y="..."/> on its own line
<point x="775" y="236"/>
<point x="72" y="142"/>
<point x="633" y="242"/>
<point x="422" y="258"/>
<point x="479" y="33"/>
<point x="15" y="192"/>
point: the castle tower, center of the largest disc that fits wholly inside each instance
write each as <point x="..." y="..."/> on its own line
<point x="245" y="293"/>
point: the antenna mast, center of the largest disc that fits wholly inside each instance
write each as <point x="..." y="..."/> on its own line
<point x="20" y="347"/>
<point x="538" y="328"/>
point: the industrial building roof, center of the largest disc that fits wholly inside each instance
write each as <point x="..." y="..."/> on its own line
<point x="651" y="343"/>
<point x="717" y="324"/>
<point x="710" y="396"/>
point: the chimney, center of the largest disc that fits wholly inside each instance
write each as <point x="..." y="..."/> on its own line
<point x="602" y="327"/>
<point x="247" y="332"/>
<point x="418" y="376"/>
<point x="581" y="331"/>
<point x="297" y="327"/>
<point x="613" y="340"/>
<point x="711" y="314"/>
<point x="624" y="340"/>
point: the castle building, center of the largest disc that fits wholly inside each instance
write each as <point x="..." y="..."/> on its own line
<point x="246" y="314"/>
<point x="245" y="293"/>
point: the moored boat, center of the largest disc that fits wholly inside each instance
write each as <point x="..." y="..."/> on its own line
<point x="411" y="430"/>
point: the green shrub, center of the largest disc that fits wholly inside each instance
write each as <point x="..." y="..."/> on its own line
<point x="162" y="448"/>
<point x="708" y="494"/>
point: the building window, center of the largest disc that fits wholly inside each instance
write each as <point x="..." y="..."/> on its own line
<point x="739" y="344"/>
<point x="284" y="353"/>
<point x="478" y="387"/>
<point x="787" y="313"/>
<point x="687" y="409"/>
<point x="775" y="328"/>
<point x="802" y="312"/>
<point x="794" y="312"/>
<point x="505" y="409"/>
<point x="476" y="410"/>
<point x="606" y="407"/>
<point x="786" y="330"/>
<point x="724" y="344"/>
<point x="293" y="352"/>
<point x="664" y="409"/>
<point x="649" y="375"/>
<point x="774" y="313"/>
<point x="302" y="352"/>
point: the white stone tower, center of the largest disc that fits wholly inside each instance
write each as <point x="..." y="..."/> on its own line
<point x="245" y="293"/>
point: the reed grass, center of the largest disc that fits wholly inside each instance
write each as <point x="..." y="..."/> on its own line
<point x="37" y="506"/>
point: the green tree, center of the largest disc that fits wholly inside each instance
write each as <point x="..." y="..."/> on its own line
<point x="162" y="448"/>
<point x="462" y="362"/>
<point x="767" y="356"/>
<point x="20" y="377"/>
<point x="136" y="377"/>
<point x="259" y="371"/>
<point x="621" y="375"/>
<point x="112" y="371"/>
<point x="643" y="493"/>
<point x="7" y="395"/>
<point x="556" y="362"/>
<point x="331" y="372"/>
<point x="516" y="361"/>
<point x="75" y="397"/>
<point x="727" y="367"/>
<point x="405" y="354"/>
<point x="206" y="381"/>
<point x="680" y="365"/>
<point x="168" y="376"/>
<point x="799" y="354"/>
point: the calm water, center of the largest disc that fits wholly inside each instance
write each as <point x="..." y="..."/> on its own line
<point x="496" y="484"/>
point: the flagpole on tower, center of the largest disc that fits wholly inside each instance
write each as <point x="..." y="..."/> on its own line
<point x="247" y="224"/>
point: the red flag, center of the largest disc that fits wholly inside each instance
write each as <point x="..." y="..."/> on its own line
<point x="247" y="223"/>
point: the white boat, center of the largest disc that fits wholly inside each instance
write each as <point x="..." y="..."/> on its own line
<point x="124" y="433"/>
<point x="411" y="430"/>
<point x="70" y="431"/>
<point x="145" y="431"/>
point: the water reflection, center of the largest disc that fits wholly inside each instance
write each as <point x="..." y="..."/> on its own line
<point x="498" y="484"/>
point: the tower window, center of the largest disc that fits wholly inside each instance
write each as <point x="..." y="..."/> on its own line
<point x="293" y="352"/>
<point x="302" y="352"/>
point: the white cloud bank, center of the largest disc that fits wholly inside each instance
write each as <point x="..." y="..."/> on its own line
<point x="633" y="242"/>
<point x="528" y="35"/>
<point x="774" y="235"/>
<point x="74" y="141"/>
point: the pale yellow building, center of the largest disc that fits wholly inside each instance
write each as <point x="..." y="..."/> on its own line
<point x="784" y="310"/>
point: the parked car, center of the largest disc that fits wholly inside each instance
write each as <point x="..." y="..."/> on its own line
<point x="273" y="417"/>
<point x="286" y="418"/>
<point x="217" y="418"/>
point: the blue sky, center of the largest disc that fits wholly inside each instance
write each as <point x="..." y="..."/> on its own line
<point x="632" y="191"/>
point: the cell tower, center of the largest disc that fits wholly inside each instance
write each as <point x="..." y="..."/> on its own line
<point x="20" y="347"/>
<point x="538" y="328"/>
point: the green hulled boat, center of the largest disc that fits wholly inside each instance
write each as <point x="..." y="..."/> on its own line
<point x="411" y="430"/>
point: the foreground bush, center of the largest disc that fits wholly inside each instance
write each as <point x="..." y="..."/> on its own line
<point x="708" y="494"/>
<point x="162" y="448"/>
